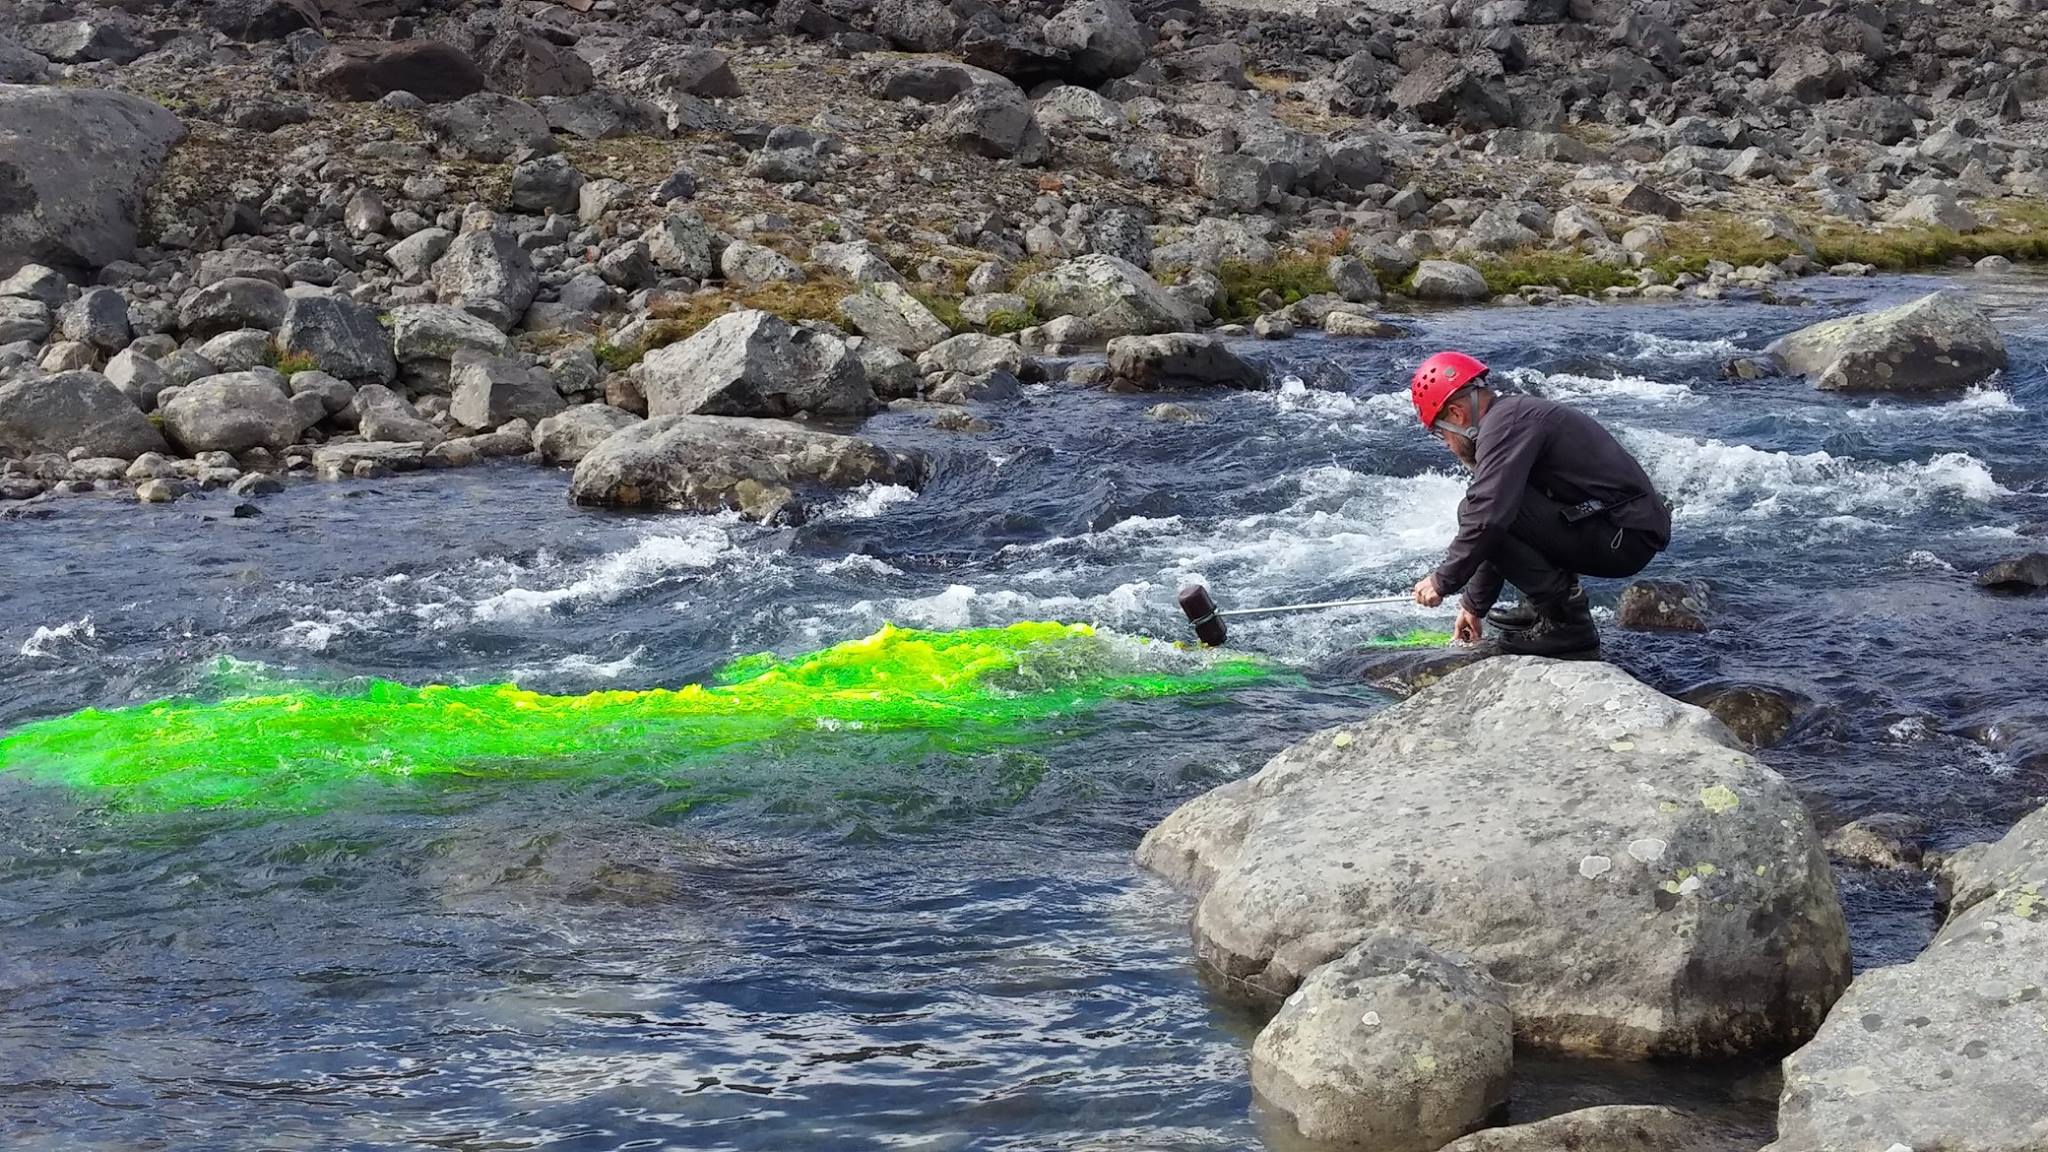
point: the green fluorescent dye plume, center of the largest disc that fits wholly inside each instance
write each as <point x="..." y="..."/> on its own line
<point x="279" y="744"/>
<point x="1419" y="638"/>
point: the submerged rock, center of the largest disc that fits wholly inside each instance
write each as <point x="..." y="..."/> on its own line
<point x="719" y="463"/>
<point x="1613" y="1128"/>
<point x="1881" y="840"/>
<point x="1663" y="606"/>
<point x="1392" y="1047"/>
<point x="1759" y="714"/>
<point x="2028" y="573"/>
<point x="1638" y="883"/>
<point x="1946" y="1051"/>
<point x="1933" y="343"/>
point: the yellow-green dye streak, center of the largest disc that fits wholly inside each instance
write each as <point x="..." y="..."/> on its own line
<point x="291" y="745"/>
<point x="1419" y="638"/>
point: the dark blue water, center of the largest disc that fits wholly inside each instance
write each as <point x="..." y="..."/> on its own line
<point x="886" y="944"/>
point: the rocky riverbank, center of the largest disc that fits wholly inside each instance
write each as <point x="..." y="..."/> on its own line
<point x="346" y="236"/>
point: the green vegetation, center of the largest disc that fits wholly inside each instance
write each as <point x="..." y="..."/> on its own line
<point x="1566" y="271"/>
<point x="1008" y="323"/>
<point x="295" y="363"/>
<point x="1291" y="277"/>
<point x="945" y="306"/>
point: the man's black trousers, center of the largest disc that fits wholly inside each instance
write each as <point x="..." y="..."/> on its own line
<point x="1542" y="553"/>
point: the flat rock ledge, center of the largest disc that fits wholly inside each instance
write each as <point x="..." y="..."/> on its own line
<point x="1636" y="882"/>
<point x="1947" y="1051"/>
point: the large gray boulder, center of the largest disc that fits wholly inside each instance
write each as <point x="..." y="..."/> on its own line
<point x="494" y="390"/>
<point x="759" y="468"/>
<point x="229" y="305"/>
<point x="752" y="363"/>
<point x="973" y="354"/>
<point x="98" y="317"/>
<point x="341" y="336"/>
<point x="488" y="127"/>
<point x="996" y="121"/>
<point x="18" y="65"/>
<point x="138" y="377"/>
<point x="233" y="412"/>
<point x="69" y="410"/>
<point x="113" y="38"/>
<point x="1447" y="89"/>
<point x="684" y="244"/>
<point x="427" y="334"/>
<point x="1944" y="1052"/>
<point x="488" y="275"/>
<point x="75" y="164"/>
<point x="383" y="415"/>
<point x="1116" y="297"/>
<point x="886" y="311"/>
<point x="1639" y="884"/>
<point x="23" y="319"/>
<point x="429" y="69"/>
<point x="1447" y="280"/>
<point x="1392" y="1047"/>
<point x="917" y="25"/>
<point x="522" y="63"/>
<point x="568" y="436"/>
<point x="1179" y="360"/>
<point x="1937" y="342"/>
<point x="1101" y="38"/>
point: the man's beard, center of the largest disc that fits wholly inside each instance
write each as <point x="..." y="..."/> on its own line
<point x="1462" y="449"/>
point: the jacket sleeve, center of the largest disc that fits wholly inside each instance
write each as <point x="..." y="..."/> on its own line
<point x="1492" y="500"/>
<point x="1483" y="590"/>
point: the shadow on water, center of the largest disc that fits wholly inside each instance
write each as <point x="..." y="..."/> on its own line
<point x="853" y="941"/>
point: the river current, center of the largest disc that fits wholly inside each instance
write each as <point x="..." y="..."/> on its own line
<point x="856" y="942"/>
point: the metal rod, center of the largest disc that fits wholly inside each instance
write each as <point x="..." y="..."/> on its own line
<point x="1278" y="608"/>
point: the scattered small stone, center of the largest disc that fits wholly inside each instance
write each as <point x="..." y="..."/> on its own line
<point x="160" y="491"/>
<point x="1883" y="840"/>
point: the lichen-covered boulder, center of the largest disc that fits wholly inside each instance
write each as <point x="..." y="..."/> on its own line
<point x="1944" y="1052"/>
<point x="233" y="412"/>
<point x="67" y="410"/>
<point x="1115" y="297"/>
<point x="1392" y="1047"/>
<point x="1937" y="342"/>
<point x="1639" y="884"/>
<point x="753" y="363"/>
<point x="1179" y="360"/>
<point x="76" y="164"/>
<point x="759" y="468"/>
<point x="568" y="436"/>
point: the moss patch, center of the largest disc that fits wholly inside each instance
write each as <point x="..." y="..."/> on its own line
<point x="1568" y="271"/>
<point x="1291" y="277"/>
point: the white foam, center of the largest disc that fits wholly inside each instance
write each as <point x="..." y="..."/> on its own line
<point x="311" y="635"/>
<point x="38" y="645"/>
<point x="603" y="580"/>
<point x="1571" y="386"/>
<point x="1710" y="478"/>
<point x="1650" y="346"/>
<point x="1923" y="559"/>
<point x="1980" y="402"/>
<point x="858" y="564"/>
<point x="867" y="502"/>
<point x="580" y="665"/>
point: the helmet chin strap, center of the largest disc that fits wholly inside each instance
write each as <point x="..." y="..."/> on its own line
<point x="1469" y="433"/>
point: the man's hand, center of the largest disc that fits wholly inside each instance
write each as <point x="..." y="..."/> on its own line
<point x="1426" y="593"/>
<point x="1470" y="629"/>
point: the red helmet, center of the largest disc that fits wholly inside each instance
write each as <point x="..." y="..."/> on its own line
<point x="1438" y="379"/>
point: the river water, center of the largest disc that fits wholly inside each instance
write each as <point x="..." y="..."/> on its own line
<point x="854" y="942"/>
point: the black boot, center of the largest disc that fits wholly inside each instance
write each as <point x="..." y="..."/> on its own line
<point x="1521" y="617"/>
<point x="1564" y="629"/>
